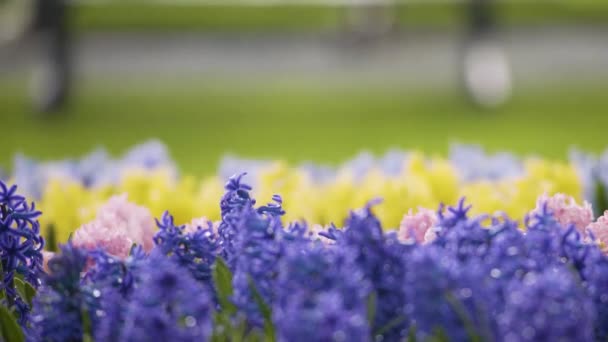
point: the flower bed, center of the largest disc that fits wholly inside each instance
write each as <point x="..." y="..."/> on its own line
<point x="71" y="192"/>
<point x="254" y="274"/>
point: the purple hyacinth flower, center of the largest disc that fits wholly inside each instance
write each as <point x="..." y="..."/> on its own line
<point x="169" y="305"/>
<point x="547" y="306"/>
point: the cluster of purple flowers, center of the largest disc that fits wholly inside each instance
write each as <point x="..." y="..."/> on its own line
<point x="20" y="251"/>
<point x="479" y="279"/>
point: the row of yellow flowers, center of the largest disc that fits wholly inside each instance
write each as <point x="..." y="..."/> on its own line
<point x="425" y="181"/>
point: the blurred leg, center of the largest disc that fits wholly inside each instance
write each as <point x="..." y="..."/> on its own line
<point x="482" y="17"/>
<point x="485" y="68"/>
<point x="52" y="73"/>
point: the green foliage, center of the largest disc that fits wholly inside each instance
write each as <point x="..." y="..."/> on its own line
<point x="372" y="302"/>
<point x="223" y="329"/>
<point x="266" y="311"/>
<point x="26" y="290"/>
<point x="86" y="326"/>
<point x="50" y="243"/>
<point x="9" y="328"/>
<point x="390" y="325"/>
<point x="227" y="324"/>
<point x="222" y="278"/>
<point x="462" y="313"/>
<point x="2" y="291"/>
<point x="11" y="331"/>
<point x="439" y="335"/>
<point x="601" y="202"/>
<point x="411" y="334"/>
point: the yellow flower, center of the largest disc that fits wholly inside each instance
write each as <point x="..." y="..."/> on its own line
<point x="516" y="196"/>
<point x="67" y="205"/>
<point x="424" y="182"/>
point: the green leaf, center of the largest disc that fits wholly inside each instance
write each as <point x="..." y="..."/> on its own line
<point x="390" y="325"/>
<point x="51" y="238"/>
<point x="219" y="328"/>
<point x="238" y="332"/>
<point x="256" y="335"/>
<point x="30" y="293"/>
<point x="25" y="290"/>
<point x="601" y="202"/>
<point x="411" y="334"/>
<point x="86" y="326"/>
<point x="226" y="329"/>
<point x="223" y="329"/>
<point x="265" y="310"/>
<point x="439" y="336"/>
<point x="222" y="277"/>
<point x="371" y="308"/>
<point x="2" y="291"/>
<point x="11" y="331"/>
<point x="462" y="313"/>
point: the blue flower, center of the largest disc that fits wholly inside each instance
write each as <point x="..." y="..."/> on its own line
<point x="169" y="305"/>
<point x="20" y="247"/>
<point x="150" y="155"/>
<point x="235" y="200"/>
<point x="93" y="170"/>
<point x="506" y="260"/>
<point x="474" y="164"/>
<point x="110" y="271"/>
<point x="116" y="280"/>
<point x="32" y="176"/>
<point x="542" y="239"/>
<point x="547" y="306"/>
<point x="113" y="305"/>
<point x="595" y="276"/>
<point x="195" y="251"/>
<point x="444" y="293"/>
<point x="321" y="295"/>
<point x="257" y="251"/>
<point x="250" y="239"/>
<point x="588" y="169"/>
<point x="63" y="299"/>
<point x="332" y="233"/>
<point x="464" y="238"/>
<point x="381" y="260"/>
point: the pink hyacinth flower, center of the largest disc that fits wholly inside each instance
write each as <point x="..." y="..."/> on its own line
<point x="417" y="226"/>
<point x="46" y="256"/>
<point x="119" y="224"/>
<point x="599" y="229"/>
<point x="566" y="211"/>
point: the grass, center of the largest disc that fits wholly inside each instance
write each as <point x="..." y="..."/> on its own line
<point x="202" y="120"/>
<point x="139" y="15"/>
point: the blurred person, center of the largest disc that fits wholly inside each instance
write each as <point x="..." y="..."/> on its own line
<point x="486" y="72"/>
<point x="45" y="24"/>
<point x="15" y="20"/>
<point x="51" y="77"/>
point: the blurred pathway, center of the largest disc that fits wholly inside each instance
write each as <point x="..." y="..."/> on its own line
<point x="422" y="58"/>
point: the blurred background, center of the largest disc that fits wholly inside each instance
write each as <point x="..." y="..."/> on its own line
<point x="301" y="79"/>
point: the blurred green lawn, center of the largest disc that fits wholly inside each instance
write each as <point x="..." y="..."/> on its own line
<point x="144" y="15"/>
<point x="202" y="120"/>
